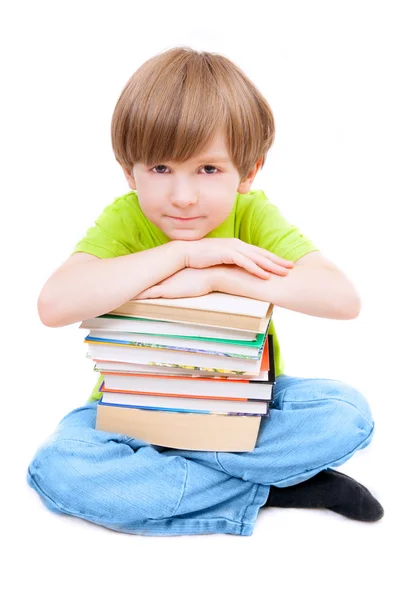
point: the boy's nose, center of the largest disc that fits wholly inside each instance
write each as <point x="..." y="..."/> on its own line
<point x="183" y="197"/>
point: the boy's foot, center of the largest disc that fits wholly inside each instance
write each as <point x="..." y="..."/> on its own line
<point x="332" y="490"/>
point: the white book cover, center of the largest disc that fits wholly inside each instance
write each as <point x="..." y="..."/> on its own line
<point x="189" y="404"/>
<point x="188" y="386"/>
<point x="215" y="302"/>
<point x="135" y="325"/>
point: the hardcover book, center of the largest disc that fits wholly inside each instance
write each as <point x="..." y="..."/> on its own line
<point x="214" y="309"/>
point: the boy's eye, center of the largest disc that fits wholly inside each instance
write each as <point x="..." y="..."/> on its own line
<point x="206" y="167"/>
<point x="157" y="166"/>
<point x="210" y="167"/>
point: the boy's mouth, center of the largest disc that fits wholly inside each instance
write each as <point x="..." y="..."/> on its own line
<point x="184" y="218"/>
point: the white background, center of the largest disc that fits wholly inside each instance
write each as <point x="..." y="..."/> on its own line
<point x="330" y="73"/>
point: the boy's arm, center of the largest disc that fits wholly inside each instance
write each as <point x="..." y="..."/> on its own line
<point x="314" y="286"/>
<point x="86" y="286"/>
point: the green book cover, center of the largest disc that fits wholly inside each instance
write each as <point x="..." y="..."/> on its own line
<point x="257" y="343"/>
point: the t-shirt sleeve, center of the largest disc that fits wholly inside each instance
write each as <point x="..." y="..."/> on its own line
<point x="267" y="228"/>
<point x="112" y="234"/>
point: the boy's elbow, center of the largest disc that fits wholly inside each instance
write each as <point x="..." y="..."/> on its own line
<point x="44" y="314"/>
<point x="48" y="321"/>
<point x="46" y="311"/>
<point x="353" y="307"/>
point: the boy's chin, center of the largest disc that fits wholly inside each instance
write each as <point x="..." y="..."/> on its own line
<point x="186" y="234"/>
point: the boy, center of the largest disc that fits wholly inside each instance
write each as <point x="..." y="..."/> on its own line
<point x="190" y="132"/>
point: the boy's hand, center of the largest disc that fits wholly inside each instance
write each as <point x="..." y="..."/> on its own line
<point x="232" y="251"/>
<point x="183" y="284"/>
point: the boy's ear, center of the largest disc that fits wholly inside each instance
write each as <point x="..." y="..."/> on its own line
<point x="245" y="184"/>
<point x="129" y="177"/>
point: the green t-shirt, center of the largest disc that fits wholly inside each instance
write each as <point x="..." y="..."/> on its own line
<point x="122" y="228"/>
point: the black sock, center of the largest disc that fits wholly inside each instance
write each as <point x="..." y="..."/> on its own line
<point x="332" y="490"/>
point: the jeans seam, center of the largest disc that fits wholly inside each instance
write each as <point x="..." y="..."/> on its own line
<point x="219" y="463"/>
<point x="183" y="488"/>
<point x="207" y="520"/>
<point x="84" y="442"/>
<point x="248" y="507"/>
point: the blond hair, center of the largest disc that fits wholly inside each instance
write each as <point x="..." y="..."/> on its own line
<point x="174" y="104"/>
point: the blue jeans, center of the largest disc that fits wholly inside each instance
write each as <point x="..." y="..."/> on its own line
<point x="130" y="486"/>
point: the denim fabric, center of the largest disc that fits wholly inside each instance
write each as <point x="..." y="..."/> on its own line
<point x="130" y="486"/>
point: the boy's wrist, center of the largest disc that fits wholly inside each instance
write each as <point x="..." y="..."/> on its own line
<point x="217" y="277"/>
<point x="231" y="279"/>
<point x="183" y="249"/>
<point x="179" y="252"/>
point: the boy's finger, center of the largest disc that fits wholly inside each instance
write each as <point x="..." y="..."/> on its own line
<point x="274" y="268"/>
<point x="269" y="265"/>
<point x="275" y="258"/>
<point x="250" y="266"/>
<point x="277" y="270"/>
<point x="153" y="292"/>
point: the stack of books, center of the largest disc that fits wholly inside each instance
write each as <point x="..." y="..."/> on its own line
<point x="191" y="373"/>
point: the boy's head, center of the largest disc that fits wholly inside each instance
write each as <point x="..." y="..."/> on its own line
<point x="190" y="130"/>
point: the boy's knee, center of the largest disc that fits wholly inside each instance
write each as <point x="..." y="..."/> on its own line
<point x="107" y="482"/>
<point x="329" y="395"/>
<point x="340" y="409"/>
<point x="345" y="394"/>
<point x="353" y="411"/>
<point x="53" y="476"/>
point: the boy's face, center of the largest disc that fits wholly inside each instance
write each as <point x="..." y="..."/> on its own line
<point x="188" y="200"/>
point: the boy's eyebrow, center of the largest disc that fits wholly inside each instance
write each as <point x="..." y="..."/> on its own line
<point x="214" y="158"/>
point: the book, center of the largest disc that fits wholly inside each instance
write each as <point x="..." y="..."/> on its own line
<point x="187" y="431"/>
<point x="215" y="308"/>
<point x="159" y="382"/>
<point x="174" y="369"/>
<point x="185" y="403"/>
<point x="195" y="341"/>
<point x="260" y="387"/>
<point x="124" y="367"/>
<point x="111" y="322"/>
<point x="208" y="346"/>
<point x="172" y="358"/>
